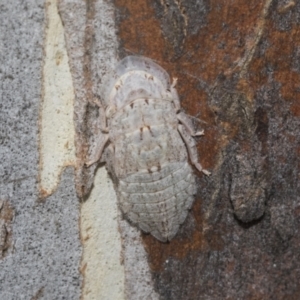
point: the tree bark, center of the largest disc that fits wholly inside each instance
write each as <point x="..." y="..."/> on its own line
<point x="238" y="68"/>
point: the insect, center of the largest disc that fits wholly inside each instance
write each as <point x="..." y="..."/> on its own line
<point x="148" y="139"/>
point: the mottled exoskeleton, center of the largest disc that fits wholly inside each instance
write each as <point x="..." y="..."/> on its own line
<point x="149" y="140"/>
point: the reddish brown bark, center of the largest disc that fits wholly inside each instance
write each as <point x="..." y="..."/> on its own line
<point x="238" y="65"/>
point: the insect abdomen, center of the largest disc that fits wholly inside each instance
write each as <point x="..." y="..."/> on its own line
<point x="158" y="202"/>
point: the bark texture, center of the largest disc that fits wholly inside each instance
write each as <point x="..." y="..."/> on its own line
<point x="39" y="241"/>
<point x="238" y="70"/>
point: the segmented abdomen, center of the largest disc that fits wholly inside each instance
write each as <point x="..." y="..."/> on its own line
<point x="158" y="201"/>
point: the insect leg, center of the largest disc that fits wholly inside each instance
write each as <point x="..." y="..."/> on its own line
<point x="174" y="95"/>
<point x="97" y="150"/>
<point x="192" y="150"/>
<point x="102" y="115"/>
<point x="103" y="125"/>
<point x="186" y="121"/>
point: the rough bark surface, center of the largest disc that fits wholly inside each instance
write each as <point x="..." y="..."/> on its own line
<point x="41" y="247"/>
<point x="238" y="70"/>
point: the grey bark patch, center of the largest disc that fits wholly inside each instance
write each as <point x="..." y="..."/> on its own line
<point x="247" y="189"/>
<point x="286" y="14"/>
<point x="283" y="221"/>
<point x="45" y="248"/>
<point x="180" y="19"/>
<point x="88" y="36"/>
